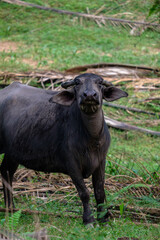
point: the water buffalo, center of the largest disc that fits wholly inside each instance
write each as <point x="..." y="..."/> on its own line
<point x="58" y="131"/>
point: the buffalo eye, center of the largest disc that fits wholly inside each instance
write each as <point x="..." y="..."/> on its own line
<point x="78" y="81"/>
<point x="99" y="82"/>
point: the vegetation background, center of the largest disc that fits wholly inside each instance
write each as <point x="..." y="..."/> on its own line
<point x="32" y="39"/>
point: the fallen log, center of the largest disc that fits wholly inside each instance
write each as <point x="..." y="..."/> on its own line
<point x="83" y="68"/>
<point x="147" y="88"/>
<point x="151" y="211"/>
<point x="146" y="224"/>
<point x="130" y="108"/>
<point x="124" y="126"/>
<point x="30" y="212"/>
<point x="137" y="214"/>
<point x="149" y="99"/>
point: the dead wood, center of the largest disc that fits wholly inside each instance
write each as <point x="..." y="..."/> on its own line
<point x="146" y="224"/>
<point x="47" y="75"/>
<point x="136" y="216"/>
<point x="103" y="65"/>
<point x="84" y="15"/>
<point x="27" y="211"/>
<point x="130" y="109"/>
<point x="124" y="126"/>
<point x="116" y="72"/>
<point x="55" y="186"/>
<point x="139" y="83"/>
<point x="147" y="123"/>
<point x="151" y="211"/>
<point x="135" y="213"/>
<point x="31" y="212"/>
<point x="147" y="88"/>
<point x="149" y="99"/>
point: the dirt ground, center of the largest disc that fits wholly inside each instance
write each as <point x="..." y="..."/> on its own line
<point x="10" y="46"/>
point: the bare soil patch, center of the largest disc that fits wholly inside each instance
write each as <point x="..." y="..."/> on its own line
<point x="30" y="62"/>
<point x="8" y="46"/>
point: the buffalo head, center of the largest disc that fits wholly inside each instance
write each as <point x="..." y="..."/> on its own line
<point x="88" y="90"/>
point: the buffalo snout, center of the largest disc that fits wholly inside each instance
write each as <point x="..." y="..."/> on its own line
<point x="90" y="97"/>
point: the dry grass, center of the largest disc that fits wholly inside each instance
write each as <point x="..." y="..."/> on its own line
<point x="59" y="187"/>
<point x="134" y="78"/>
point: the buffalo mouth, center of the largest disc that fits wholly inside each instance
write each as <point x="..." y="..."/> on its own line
<point x="89" y="107"/>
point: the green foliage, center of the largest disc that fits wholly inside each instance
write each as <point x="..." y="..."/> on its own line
<point x="113" y="199"/>
<point x="121" y="208"/>
<point x="1" y="158"/>
<point x="154" y="108"/>
<point x="71" y="228"/>
<point x="111" y="168"/>
<point x="155" y="9"/>
<point x="13" y="221"/>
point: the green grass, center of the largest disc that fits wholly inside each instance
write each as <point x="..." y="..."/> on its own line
<point x="133" y="151"/>
<point x="67" y="226"/>
<point x="73" y="229"/>
<point x="55" y="41"/>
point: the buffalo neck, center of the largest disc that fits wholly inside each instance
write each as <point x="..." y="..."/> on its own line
<point x="93" y="123"/>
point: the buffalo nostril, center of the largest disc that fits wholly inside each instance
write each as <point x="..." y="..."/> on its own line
<point x="95" y="94"/>
<point x="85" y="94"/>
<point x="89" y="94"/>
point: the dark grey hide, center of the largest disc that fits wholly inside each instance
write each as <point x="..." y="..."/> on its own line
<point x="58" y="132"/>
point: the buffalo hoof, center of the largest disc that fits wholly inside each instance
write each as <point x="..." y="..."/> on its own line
<point x="104" y="222"/>
<point x="89" y="221"/>
<point x="105" y="218"/>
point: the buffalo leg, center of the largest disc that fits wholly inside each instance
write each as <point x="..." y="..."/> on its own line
<point x="8" y="168"/>
<point x="98" y="185"/>
<point x="84" y="196"/>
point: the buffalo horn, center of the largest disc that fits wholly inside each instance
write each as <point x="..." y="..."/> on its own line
<point x="68" y="84"/>
<point x="107" y="84"/>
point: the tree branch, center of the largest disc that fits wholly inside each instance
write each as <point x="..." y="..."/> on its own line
<point x="124" y="126"/>
<point x="130" y="109"/>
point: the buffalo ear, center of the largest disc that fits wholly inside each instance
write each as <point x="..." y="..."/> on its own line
<point x="112" y="93"/>
<point x="65" y="97"/>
